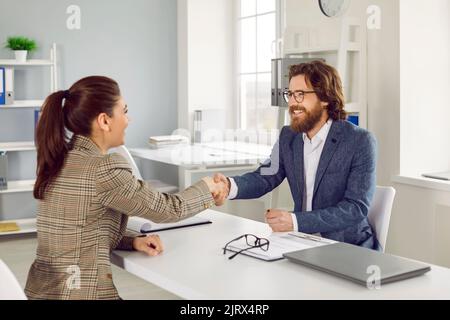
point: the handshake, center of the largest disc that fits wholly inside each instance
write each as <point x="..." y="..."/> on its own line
<point x="278" y="220"/>
<point x="219" y="186"/>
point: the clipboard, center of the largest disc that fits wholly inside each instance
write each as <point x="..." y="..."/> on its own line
<point x="279" y="244"/>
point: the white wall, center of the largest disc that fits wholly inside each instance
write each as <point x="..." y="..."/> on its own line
<point x="206" y="60"/>
<point x="425" y="78"/>
<point x="421" y="213"/>
<point x="134" y="43"/>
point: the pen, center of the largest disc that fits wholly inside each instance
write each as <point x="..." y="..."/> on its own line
<point x="307" y="236"/>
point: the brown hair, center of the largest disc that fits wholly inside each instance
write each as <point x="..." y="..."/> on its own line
<point x="325" y="81"/>
<point x="73" y="110"/>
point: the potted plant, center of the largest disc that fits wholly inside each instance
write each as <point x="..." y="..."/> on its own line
<point x="21" y="46"/>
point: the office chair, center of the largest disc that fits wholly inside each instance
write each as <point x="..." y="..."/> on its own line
<point x="157" y="184"/>
<point x="380" y="213"/>
<point x="10" y="288"/>
<point x="123" y="151"/>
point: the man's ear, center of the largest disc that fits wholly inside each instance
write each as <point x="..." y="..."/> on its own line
<point x="103" y="122"/>
<point x="324" y="105"/>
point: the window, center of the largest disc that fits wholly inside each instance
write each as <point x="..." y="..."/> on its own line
<point x="257" y="33"/>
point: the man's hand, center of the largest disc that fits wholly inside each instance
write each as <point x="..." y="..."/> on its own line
<point x="150" y="245"/>
<point x="279" y="220"/>
<point x="220" y="178"/>
<point x="219" y="190"/>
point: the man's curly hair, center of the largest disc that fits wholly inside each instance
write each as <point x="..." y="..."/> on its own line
<point x="325" y="81"/>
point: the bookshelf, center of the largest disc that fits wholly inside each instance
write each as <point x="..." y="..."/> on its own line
<point x="17" y="199"/>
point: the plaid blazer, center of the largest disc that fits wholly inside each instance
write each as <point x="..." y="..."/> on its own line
<point x="84" y="215"/>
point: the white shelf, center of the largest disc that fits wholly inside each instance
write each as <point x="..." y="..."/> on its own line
<point x="24" y="188"/>
<point x="17" y="146"/>
<point x="19" y="186"/>
<point x="300" y="51"/>
<point x="31" y="62"/>
<point x="23" y="104"/>
<point x="25" y="225"/>
<point x="353" y="47"/>
<point x="422" y="182"/>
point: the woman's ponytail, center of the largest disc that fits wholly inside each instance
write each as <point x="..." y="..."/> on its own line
<point x="51" y="141"/>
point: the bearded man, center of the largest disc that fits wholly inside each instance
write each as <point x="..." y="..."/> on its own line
<point x="329" y="163"/>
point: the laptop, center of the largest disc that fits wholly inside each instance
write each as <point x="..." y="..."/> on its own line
<point x="440" y="175"/>
<point x="356" y="263"/>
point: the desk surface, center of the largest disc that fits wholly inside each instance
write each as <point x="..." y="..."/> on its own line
<point x="194" y="267"/>
<point x="207" y="154"/>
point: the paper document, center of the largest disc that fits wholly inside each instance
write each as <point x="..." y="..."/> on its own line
<point x="278" y="244"/>
<point x="143" y="225"/>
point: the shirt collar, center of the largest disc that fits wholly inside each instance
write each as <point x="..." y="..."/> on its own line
<point x="82" y="142"/>
<point x="321" y="135"/>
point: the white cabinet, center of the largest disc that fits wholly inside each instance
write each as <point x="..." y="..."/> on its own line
<point x="17" y="202"/>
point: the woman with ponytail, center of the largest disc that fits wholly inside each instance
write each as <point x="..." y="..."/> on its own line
<point x="86" y="195"/>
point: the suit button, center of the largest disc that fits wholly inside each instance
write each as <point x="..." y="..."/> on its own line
<point x="109" y="276"/>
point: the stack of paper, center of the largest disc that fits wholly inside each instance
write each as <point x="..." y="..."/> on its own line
<point x="157" y="142"/>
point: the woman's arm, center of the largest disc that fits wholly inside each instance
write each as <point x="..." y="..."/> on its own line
<point x="118" y="189"/>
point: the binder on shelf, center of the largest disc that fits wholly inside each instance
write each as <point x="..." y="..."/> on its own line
<point x="37" y="114"/>
<point x="2" y="85"/>
<point x="9" y="86"/>
<point x="354" y="118"/>
<point x="3" y="170"/>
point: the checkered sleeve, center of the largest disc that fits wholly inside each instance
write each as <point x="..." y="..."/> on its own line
<point x="118" y="189"/>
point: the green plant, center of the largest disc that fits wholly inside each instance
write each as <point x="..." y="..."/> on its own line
<point x="20" y="43"/>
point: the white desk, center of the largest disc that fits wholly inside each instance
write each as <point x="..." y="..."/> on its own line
<point x="193" y="267"/>
<point x="216" y="154"/>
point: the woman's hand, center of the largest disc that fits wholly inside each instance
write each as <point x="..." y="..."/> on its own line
<point x="219" y="190"/>
<point x="150" y="245"/>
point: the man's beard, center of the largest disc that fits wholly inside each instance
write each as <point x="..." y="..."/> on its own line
<point x="310" y="119"/>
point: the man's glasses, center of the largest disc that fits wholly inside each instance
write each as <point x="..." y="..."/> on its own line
<point x="299" y="95"/>
<point x="251" y="240"/>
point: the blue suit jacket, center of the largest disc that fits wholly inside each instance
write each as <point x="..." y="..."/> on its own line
<point x="344" y="185"/>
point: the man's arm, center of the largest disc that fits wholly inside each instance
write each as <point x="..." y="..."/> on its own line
<point x="354" y="207"/>
<point x="266" y="178"/>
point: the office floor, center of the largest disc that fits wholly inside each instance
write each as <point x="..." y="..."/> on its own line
<point x="18" y="253"/>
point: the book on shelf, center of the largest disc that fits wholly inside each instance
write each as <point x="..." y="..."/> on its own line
<point x="37" y="114"/>
<point x="8" y="227"/>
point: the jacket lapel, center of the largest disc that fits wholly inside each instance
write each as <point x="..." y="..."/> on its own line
<point x="331" y="144"/>
<point x="298" y="161"/>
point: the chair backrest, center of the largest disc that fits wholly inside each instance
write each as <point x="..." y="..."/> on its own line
<point x="380" y="213"/>
<point x="10" y="288"/>
<point x="123" y="151"/>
